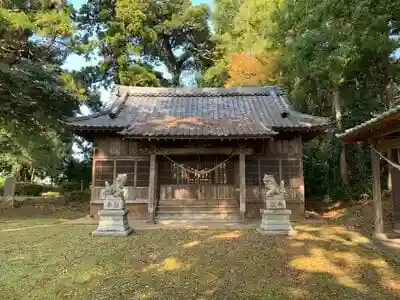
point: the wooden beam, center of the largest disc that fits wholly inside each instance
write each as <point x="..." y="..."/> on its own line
<point x="242" y="181"/>
<point x="377" y="196"/>
<point x="387" y="144"/>
<point x="185" y="151"/>
<point x="388" y="128"/>
<point x="152" y="187"/>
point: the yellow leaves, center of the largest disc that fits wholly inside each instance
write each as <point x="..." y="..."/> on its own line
<point x="169" y="264"/>
<point x="247" y="70"/>
<point x="191" y="244"/>
<point x="227" y="236"/>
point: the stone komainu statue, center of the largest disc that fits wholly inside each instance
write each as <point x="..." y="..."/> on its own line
<point x="271" y="186"/>
<point x="117" y="188"/>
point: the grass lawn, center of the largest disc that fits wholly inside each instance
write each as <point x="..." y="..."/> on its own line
<point x="40" y="258"/>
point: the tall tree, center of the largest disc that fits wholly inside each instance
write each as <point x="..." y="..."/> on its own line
<point x="134" y="36"/>
<point x="247" y="70"/>
<point x="244" y="28"/>
<point x="35" y="93"/>
<point x="338" y="58"/>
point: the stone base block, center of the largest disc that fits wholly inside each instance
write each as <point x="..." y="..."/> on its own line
<point x="113" y="223"/>
<point x="275" y="232"/>
<point x="275" y="222"/>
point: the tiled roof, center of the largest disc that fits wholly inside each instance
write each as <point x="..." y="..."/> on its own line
<point x="356" y="130"/>
<point x="199" y="112"/>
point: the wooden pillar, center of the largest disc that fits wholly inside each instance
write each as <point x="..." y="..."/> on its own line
<point x="93" y="173"/>
<point x="377" y="196"/>
<point x="152" y="188"/>
<point x="389" y="168"/>
<point x="395" y="175"/>
<point x="242" y="181"/>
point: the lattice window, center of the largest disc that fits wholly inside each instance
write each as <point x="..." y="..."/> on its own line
<point x="291" y="170"/>
<point x="104" y="171"/>
<point x="270" y="166"/>
<point x="252" y="176"/>
<point x="142" y="173"/>
<point x="128" y="167"/>
<point x="224" y="174"/>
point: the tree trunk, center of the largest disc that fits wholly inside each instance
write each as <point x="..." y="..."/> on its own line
<point x="389" y="99"/>
<point x="338" y="117"/>
<point x="32" y="174"/>
<point x="176" y="79"/>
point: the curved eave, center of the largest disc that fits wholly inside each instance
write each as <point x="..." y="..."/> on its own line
<point x="370" y="128"/>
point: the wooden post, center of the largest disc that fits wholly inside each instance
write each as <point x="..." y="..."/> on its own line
<point x="93" y="183"/>
<point x="152" y="186"/>
<point x="395" y="175"/>
<point x="376" y="190"/>
<point x="242" y="180"/>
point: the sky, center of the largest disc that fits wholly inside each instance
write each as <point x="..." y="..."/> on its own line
<point x="75" y="62"/>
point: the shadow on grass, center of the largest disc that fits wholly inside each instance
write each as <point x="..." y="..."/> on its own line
<point x="40" y="211"/>
<point x="321" y="262"/>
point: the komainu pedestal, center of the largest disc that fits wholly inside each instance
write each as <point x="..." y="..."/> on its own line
<point x="275" y="217"/>
<point x="114" y="216"/>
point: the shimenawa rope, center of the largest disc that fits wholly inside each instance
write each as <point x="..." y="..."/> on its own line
<point x="196" y="172"/>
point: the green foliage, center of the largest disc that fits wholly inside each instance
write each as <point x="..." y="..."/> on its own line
<point x="246" y="27"/>
<point x="321" y="170"/>
<point x="338" y="47"/>
<point x="35" y="93"/>
<point x="66" y="187"/>
<point x="132" y="36"/>
<point x="333" y="45"/>
<point x="30" y="189"/>
<point x="75" y="173"/>
<point x="77" y="196"/>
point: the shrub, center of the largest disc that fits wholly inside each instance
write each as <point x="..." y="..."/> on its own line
<point x="30" y="189"/>
<point x="1" y="185"/>
<point x="322" y="171"/>
<point x="77" y="196"/>
<point x="70" y="186"/>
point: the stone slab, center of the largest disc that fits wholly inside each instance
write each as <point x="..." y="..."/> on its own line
<point x="278" y="227"/>
<point x="277" y="232"/>
<point x="275" y="211"/>
<point x="113" y="222"/>
<point x="9" y="188"/>
<point x="113" y="212"/>
<point x="275" y="202"/>
<point x="112" y="232"/>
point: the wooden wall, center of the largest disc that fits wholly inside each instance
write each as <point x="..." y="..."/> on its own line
<point x="281" y="157"/>
<point x="112" y="156"/>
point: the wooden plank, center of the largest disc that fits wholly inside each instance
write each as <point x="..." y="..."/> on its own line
<point x="132" y="194"/>
<point x="386" y="144"/>
<point x="387" y="128"/>
<point x="376" y="190"/>
<point x="242" y="195"/>
<point x="152" y="187"/>
<point x="187" y="151"/>
<point x="101" y="156"/>
<point x="395" y="176"/>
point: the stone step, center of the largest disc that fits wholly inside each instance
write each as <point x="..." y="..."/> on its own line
<point x="197" y="212"/>
<point x="210" y="202"/>
<point x="196" y="209"/>
<point x="197" y="217"/>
